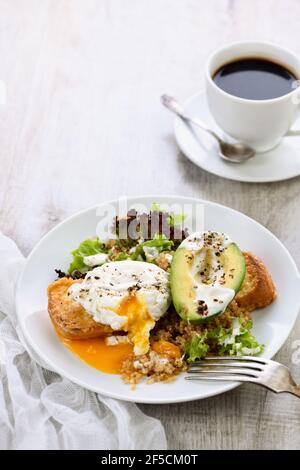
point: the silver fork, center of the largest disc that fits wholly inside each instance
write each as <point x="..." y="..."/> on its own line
<point x="260" y="371"/>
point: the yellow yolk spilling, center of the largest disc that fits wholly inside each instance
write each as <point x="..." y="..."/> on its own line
<point x="139" y="322"/>
<point x="106" y="358"/>
<point x="129" y="296"/>
<point x="98" y="354"/>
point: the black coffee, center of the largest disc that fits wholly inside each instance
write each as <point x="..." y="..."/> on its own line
<point x="254" y="79"/>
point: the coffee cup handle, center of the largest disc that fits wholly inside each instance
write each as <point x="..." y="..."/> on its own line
<point x="294" y="132"/>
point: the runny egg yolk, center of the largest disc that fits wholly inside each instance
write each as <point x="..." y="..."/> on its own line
<point x="98" y="354"/>
<point x="106" y="358"/>
<point x="139" y="322"/>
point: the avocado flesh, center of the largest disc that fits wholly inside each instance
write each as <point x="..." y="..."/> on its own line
<point x="182" y="280"/>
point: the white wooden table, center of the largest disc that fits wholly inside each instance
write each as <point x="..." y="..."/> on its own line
<point x="83" y="124"/>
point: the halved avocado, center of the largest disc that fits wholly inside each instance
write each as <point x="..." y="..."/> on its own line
<point x="182" y="281"/>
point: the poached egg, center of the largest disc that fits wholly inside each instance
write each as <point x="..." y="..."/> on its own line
<point x="128" y="296"/>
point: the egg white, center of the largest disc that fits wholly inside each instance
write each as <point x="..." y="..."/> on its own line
<point x="105" y="288"/>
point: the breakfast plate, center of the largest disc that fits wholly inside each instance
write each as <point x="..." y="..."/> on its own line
<point x="272" y="325"/>
<point x="280" y="163"/>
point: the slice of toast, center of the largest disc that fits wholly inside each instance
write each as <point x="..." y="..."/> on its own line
<point x="258" y="289"/>
<point x="69" y="318"/>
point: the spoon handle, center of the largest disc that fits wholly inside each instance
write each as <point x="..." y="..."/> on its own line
<point x="201" y="125"/>
<point x="172" y="105"/>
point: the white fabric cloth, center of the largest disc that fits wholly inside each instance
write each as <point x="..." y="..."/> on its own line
<point x="41" y="410"/>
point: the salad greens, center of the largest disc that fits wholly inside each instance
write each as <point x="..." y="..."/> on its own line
<point x="234" y="341"/>
<point x="196" y="348"/>
<point x="155" y="207"/>
<point x="147" y="250"/>
<point x="86" y="248"/>
<point x="122" y="256"/>
<point x="173" y="220"/>
<point x="176" y="219"/>
<point x="159" y="242"/>
<point x="237" y="340"/>
<point x="94" y="246"/>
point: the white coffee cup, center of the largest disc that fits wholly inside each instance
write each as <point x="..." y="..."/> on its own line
<point x="259" y="123"/>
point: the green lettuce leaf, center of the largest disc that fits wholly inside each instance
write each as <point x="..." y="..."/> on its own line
<point x="122" y="256"/>
<point x="155" y="207"/>
<point x="236" y="340"/>
<point x="86" y="248"/>
<point x="159" y="242"/>
<point x="173" y="219"/>
<point x="196" y="348"/>
<point x="176" y="220"/>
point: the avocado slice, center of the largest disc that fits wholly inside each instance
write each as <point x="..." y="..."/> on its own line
<point x="197" y="294"/>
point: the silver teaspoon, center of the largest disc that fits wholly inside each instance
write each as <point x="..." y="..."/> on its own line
<point x="235" y="153"/>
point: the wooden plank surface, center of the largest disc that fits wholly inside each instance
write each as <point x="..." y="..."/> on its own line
<point x="83" y="124"/>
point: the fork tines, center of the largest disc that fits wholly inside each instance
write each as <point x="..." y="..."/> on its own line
<point x="238" y="368"/>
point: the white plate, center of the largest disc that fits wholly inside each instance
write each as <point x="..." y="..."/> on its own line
<point x="281" y="163"/>
<point x="271" y="325"/>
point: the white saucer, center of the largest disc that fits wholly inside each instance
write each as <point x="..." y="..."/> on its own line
<point x="281" y="163"/>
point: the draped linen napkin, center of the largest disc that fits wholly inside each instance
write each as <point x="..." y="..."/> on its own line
<point x="40" y="409"/>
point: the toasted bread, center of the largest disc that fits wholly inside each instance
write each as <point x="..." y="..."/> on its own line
<point x="258" y="289"/>
<point x="68" y="317"/>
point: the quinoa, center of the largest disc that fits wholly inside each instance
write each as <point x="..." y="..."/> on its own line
<point x="164" y="260"/>
<point x="152" y="367"/>
<point x="172" y="328"/>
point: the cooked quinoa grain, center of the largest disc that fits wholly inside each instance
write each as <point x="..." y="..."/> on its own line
<point x="171" y="328"/>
